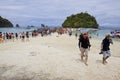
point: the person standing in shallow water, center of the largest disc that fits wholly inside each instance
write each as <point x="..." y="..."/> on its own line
<point x="27" y="36"/>
<point x="16" y="35"/>
<point x="23" y="36"/>
<point x="84" y="47"/>
<point x="76" y="35"/>
<point x="105" y="48"/>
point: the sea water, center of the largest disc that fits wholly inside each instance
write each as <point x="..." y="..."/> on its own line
<point x="96" y="33"/>
<point x="15" y="30"/>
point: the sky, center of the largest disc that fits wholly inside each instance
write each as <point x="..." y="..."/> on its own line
<point x="54" y="12"/>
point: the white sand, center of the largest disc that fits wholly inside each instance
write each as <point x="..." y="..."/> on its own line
<point x="56" y="58"/>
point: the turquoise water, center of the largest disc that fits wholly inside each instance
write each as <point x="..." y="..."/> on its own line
<point x="100" y="33"/>
<point x="15" y="30"/>
<point x="96" y="33"/>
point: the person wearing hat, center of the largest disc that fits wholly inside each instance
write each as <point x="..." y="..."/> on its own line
<point x="105" y="48"/>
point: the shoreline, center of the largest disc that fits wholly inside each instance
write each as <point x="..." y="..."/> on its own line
<point x="55" y="35"/>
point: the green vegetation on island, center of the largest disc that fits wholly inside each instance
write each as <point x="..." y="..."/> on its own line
<point x="5" y="23"/>
<point x="81" y="20"/>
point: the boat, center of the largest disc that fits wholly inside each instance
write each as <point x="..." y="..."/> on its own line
<point x="115" y="34"/>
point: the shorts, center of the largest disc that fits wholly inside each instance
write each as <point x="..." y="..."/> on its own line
<point x="23" y="37"/>
<point x="106" y="53"/>
<point x="84" y="51"/>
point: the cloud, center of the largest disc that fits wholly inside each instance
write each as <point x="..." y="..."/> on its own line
<point x="54" y="12"/>
<point x="11" y="7"/>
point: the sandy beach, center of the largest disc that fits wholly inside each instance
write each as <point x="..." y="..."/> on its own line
<point x="56" y="58"/>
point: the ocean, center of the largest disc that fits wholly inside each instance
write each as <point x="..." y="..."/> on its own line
<point x="96" y="33"/>
<point x="16" y="30"/>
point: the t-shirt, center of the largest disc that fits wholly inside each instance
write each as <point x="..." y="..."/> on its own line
<point x="85" y="43"/>
<point x="0" y="35"/>
<point x="106" y="43"/>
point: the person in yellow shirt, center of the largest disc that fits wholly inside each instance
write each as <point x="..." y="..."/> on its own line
<point x="1" y="38"/>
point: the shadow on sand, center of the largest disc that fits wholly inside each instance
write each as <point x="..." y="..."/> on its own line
<point x="15" y="73"/>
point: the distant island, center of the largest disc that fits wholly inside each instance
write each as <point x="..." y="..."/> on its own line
<point x="5" y="23"/>
<point x="81" y="20"/>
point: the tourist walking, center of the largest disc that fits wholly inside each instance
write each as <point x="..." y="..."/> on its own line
<point x="16" y="35"/>
<point x="23" y="36"/>
<point x="27" y="36"/>
<point x="105" y="48"/>
<point x="84" y="47"/>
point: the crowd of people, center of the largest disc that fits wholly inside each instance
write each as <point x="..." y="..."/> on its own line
<point x="24" y="36"/>
<point x="84" y="42"/>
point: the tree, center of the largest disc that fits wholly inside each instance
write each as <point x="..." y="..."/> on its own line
<point x="84" y="20"/>
<point x="5" y="23"/>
